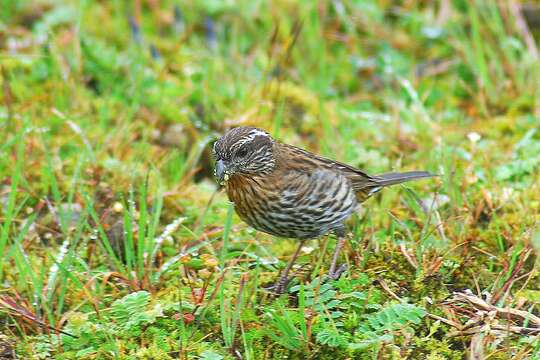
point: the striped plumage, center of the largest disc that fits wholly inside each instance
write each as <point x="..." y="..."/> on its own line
<point x="289" y="192"/>
<point x="304" y="206"/>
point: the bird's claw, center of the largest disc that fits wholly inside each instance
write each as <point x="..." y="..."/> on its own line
<point x="336" y="274"/>
<point x="279" y="287"/>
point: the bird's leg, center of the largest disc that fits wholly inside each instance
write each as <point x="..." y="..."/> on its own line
<point x="283" y="280"/>
<point x="334" y="273"/>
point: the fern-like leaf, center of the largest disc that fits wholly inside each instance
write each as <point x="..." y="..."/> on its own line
<point x="380" y="327"/>
<point x="124" y="309"/>
<point x="393" y="318"/>
<point x="131" y="312"/>
<point x="332" y="337"/>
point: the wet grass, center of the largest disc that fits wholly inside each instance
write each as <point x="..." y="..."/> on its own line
<point x="116" y="242"/>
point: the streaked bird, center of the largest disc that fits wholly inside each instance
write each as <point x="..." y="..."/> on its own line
<point x="289" y="192"/>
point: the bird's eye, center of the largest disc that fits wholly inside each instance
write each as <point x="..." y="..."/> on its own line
<point x="242" y="153"/>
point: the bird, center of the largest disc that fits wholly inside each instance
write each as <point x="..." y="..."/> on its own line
<point x="288" y="192"/>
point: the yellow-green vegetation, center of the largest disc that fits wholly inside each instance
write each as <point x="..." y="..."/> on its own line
<point x="116" y="243"/>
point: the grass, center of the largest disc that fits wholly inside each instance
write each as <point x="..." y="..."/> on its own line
<point x="117" y="244"/>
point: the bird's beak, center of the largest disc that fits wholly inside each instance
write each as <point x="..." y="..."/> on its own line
<point x="220" y="172"/>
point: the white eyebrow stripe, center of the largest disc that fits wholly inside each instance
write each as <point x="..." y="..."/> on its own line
<point x="251" y="136"/>
<point x="257" y="132"/>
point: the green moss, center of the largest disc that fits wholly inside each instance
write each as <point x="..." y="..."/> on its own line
<point x="101" y="99"/>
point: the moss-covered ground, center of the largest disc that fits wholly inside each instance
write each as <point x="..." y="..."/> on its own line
<point x="116" y="243"/>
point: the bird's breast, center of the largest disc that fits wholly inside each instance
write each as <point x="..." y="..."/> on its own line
<point x="296" y="205"/>
<point x="251" y="193"/>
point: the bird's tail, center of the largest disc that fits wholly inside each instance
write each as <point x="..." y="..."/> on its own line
<point x="398" y="178"/>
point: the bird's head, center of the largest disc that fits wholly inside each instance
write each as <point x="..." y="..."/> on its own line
<point x="243" y="150"/>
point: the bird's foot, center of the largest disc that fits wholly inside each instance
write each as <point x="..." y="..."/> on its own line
<point x="336" y="274"/>
<point x="279" y="287"/>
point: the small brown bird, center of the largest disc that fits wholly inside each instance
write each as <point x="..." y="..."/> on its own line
<point x="285" y="191"/>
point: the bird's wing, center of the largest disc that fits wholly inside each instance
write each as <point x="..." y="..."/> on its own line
<point x="361" y="181"/>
